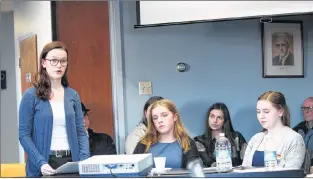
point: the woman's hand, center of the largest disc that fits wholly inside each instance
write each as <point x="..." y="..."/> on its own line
<point x="47" y="170"/>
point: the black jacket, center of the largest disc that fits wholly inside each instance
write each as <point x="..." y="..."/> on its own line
<point x="187" y="157"/>
<point x="307" y="133"/>
<point x="208" y="155"/>
<point x="100" y="144"/>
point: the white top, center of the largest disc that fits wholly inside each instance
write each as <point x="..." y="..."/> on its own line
<point x="134" y="137"/>
<point x="59" y="139"/>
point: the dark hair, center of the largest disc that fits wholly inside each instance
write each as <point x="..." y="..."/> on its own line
<point x="149" y="102"/>
<point x="42" y="80"/>
<point x="227" y="127"/>
<point x="84" y="109"/>
<point x="279" y="102"/>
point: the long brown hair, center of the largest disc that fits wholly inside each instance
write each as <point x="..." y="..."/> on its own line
<point x="279" y="102"/>
<point x="227" y="127"/>
<point x="42" y="80"/>
<point x="152" y="136"/>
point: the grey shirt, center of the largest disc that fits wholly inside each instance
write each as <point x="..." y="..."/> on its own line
<point x="292" y="149"/>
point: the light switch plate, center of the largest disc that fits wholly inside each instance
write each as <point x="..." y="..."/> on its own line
<point x="145" y="88"/>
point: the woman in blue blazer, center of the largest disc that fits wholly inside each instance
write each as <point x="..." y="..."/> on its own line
<point x="51" y="126"/>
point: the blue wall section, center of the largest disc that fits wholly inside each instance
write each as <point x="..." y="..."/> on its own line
<point x="225" y="61"/>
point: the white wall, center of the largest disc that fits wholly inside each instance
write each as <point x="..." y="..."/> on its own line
<point x="9" y="124"/>
<point x="30" y="17"/>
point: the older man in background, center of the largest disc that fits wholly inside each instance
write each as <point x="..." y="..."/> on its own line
<point x="99" y="143"/>
<point x="305" y="128"/>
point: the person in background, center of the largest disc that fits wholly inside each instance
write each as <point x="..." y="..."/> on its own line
<point x="305" y="128"/>
<point x="219" y="121"/>
<point x="273" y="115"/>
<point x="136" y="135"/>
<point x="99" y="143"/>
<point x="166" y="136"/>
<point x="51" y="125"/>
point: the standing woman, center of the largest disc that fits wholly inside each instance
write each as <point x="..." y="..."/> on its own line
<point x="51" y="125"/>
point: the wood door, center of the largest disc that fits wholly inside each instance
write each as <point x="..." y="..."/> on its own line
<point x="84" y="28"/>
<point x="28" y="61"/>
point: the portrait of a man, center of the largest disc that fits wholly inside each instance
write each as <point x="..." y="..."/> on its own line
<point x="282" y="49"/>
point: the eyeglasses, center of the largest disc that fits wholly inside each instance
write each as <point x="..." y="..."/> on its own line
<point x="307" y="108"/>
<point x="54" y="62"/>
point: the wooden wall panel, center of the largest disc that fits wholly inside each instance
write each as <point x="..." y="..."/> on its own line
<point x="84" y="27"/>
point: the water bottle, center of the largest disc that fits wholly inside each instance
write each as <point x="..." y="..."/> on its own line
<point x="223" y="154"/>
<point x="270" y="157"/>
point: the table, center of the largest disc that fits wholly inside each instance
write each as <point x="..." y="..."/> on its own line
<point x="241" y="173"/>
<point x="244" y="173"/>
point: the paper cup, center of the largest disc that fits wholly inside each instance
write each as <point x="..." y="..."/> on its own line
<point x="159" y="163"/>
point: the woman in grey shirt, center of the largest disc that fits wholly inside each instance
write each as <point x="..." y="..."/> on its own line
<point x="277" y="136"/>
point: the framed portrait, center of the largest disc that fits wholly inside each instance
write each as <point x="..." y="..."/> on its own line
<point x="282" y="47"/>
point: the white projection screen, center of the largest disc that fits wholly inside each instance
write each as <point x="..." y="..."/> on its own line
<point x="151" y="13"/>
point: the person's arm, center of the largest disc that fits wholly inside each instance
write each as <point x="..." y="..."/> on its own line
<point x="294" y="156"/>
<point x="238" y="149"/>
<point x="242" y="146"/>
<point x="26" y="117"/>
<point x="192" y="154"/>
<point x="140" y="148"/>
<point x="83" y="142"/>
<point x="247" y="155"/>
<point x="207" y="159"/>
<point x="107" y="145"/>
<point x="132" y="140"/>
<point x="110" y="145"/>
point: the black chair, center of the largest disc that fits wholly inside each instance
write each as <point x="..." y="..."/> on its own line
<point x="307" y="161"/>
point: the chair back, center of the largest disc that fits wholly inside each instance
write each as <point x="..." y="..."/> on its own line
<point x="307" y="161"/>
<point x="13" y="170"/>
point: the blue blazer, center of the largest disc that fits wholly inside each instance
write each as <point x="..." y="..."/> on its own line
<point x="35" y="129"/>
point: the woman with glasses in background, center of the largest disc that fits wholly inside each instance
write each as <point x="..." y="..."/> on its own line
<point x="51" y="124"/>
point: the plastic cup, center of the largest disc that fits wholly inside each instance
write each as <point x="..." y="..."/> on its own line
<point x="159" y="163"/>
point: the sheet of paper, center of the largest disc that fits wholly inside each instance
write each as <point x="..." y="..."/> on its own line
<point x="260" y="169"/>
<point x="69" y="167"/>
<point x="309" y="176"/>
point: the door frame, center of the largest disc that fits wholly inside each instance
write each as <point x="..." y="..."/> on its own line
<point x="116" y="70"/>
<point x="19" y="81"/>
<point x="117" y="74"/>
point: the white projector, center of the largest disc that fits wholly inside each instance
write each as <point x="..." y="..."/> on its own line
<point x="116" y="165"/>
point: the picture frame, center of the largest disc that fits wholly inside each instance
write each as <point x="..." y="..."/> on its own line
<point x="282" y="49"/>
